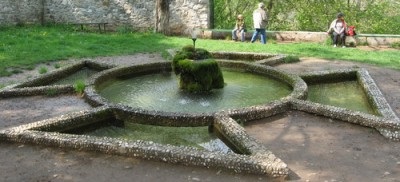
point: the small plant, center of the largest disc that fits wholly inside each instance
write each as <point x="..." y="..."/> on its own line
<point x="79" y="86"/>
<point x="291" y="59"/>
<point x="42" y="70"/>
<point x="57" y="65"/>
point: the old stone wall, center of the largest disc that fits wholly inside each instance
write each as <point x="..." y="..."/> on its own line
<point x="185" y="15"/>
<point x="139" y="13"/>
<point x="21" y="11"/>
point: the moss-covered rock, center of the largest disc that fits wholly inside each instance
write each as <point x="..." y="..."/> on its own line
<point x="197" y="70"/>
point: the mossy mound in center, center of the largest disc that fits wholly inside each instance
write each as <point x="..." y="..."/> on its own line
<point x="197" y="70"/>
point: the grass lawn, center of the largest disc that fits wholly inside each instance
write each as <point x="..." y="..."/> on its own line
<point x="25" y="47"/>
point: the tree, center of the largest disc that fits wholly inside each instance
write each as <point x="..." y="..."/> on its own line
<point x="162" y="17"/>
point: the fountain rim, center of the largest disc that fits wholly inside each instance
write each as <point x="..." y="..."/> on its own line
<point x="299" y="91"/>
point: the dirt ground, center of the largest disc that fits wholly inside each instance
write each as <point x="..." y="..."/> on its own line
<point x="315" y="148"/>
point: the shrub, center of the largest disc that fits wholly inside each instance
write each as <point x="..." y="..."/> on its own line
<point x="79" y="86"/>
<point x="42" y="70"/>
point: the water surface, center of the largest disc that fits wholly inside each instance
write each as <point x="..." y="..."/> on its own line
<point x="347" y="94"/>
<point x="82" y="74"/>
<point x="160" y="92"/>
<point x="197" y="137"/>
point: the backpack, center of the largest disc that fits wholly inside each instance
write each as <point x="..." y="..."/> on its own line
<point x="351" y="31"/>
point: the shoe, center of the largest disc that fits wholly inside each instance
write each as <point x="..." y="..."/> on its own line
<point x="334" y="45"/>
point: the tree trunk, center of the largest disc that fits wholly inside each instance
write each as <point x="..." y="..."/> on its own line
<point x="162" y="17"/>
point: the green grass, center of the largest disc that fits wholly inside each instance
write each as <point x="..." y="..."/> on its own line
<point x="25" y="47"/>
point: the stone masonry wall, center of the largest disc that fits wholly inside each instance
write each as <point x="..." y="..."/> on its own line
<point x="20" y="11"/>
<point x="141" y="14"/>
<point x="186" y="15"/>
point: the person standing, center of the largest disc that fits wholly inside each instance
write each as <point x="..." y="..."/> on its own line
<point x="260" y="23"/>
<point x="338" y="30"/>
<point x="240" y="27"/>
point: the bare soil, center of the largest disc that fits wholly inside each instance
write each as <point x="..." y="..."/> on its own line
<point x="314" y="147"/>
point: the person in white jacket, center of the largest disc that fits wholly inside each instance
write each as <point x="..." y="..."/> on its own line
<point x="338" y="29"/>
<point x="260" y="22"/>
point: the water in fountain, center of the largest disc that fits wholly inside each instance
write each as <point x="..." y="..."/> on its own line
<point x="160" y="92"/>
<point x="348" y="94"/>
<point x="198" y="137"/>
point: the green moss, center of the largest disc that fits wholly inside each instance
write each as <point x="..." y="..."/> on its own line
<point x="197" y="70"/>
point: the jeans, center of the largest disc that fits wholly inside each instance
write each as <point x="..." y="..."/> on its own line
<point x="234" y="34"/>
<point x="263" y="35"/>
<point x="336" y="40"/>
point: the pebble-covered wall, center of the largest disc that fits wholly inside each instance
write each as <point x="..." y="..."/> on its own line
<point x="185" y="15"/>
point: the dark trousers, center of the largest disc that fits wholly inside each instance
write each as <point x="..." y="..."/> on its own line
<point x="339" y="37"/>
